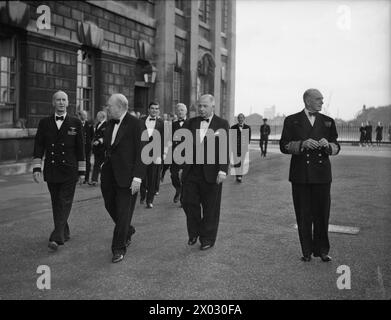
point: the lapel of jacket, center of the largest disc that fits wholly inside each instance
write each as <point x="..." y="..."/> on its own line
<point x="53" y="125"/>
<point x="121" y="130"/>
<point x="107" y="135"/>
<point x="305" y="123"/>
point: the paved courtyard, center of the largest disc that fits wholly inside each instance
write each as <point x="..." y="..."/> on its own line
<point x="256" y="256"/>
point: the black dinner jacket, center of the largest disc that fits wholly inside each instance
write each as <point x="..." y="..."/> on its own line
<point x="99" y="134"/>
<point x="265" y="131"/>
<point x="176" y="126"/>
<point x="309" y="166"/>
<point x="63" y="149"/>
<point x="88" y="131"/>
<point x="210" y="170"/>
<point x="125" y="153"/>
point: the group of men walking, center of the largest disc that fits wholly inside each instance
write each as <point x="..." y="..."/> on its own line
<point x="128" y="166"/>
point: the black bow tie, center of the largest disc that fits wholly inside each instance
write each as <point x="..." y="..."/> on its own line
<point x="60" y="118"/>
<point x="240" y="126"/>
<point x="181" y="120"/>
<point x="207" y="120"/>
<point x="312" y="113"/>
<point x="115" y="121"/>
<point x="152" y="119"/>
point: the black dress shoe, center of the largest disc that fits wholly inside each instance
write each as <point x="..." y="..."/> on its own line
<point x="53" y="246"/>
<point x="306" y="258"/>
<point x="192" y="241"/>
<point x="206" y="246"/>
<point x="325" y="257"/>
<point x="142" y="201"/>
<point x="149" y="205"/>
<point x="117" y="257"/>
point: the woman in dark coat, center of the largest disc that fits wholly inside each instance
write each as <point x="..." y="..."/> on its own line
<point x="362" y="134"/>
<point x="379" y="133"/>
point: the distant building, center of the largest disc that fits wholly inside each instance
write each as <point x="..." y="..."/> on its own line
<point x="170" y="51"/>
<point x="270" y="112"/>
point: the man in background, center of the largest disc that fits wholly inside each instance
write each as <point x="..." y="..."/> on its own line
<point x="149" y="184"/>
<point x="265" y="132"/>
<point x="239" y="127"/>
<point x="88" y="133"/>
<point x="98" y="147"/>
<point x="181" y="113"/>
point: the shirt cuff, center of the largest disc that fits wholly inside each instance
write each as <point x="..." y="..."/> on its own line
<point x="222" y="173"/>
<point x="137" y="180"/>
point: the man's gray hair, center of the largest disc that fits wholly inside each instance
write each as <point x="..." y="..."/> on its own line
<point x="308" y="92"/>
<point x="180" y="105"/>
<point x="59" y="91"/>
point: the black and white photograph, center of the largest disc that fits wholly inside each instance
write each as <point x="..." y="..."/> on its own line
<point x="196" y="155"/>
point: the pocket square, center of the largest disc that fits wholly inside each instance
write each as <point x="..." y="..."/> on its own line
<point x="327" y="124"/>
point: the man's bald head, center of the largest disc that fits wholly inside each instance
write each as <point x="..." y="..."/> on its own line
<point x="313" y="100"/>
<point x="117" y="105"/>
<point x="120" y="100"/>
<point x="206" y="105"/>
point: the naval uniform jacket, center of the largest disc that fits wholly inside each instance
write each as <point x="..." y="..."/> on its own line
<point x="309" y="166"/>
<point x="63" y="149"/>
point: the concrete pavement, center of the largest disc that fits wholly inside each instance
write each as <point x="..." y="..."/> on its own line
<point x="256" y="256"/>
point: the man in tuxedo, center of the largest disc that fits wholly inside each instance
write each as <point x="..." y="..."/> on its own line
<point x="149" y="183"/>
<point x="60" y="138"/>
<point x="122" y="171"/>
<point x="202" y="180"/>
<point x="98" y="147"/>
<point x="88" y="132"/>
<point x="239" y="127"/>
<point x="311" y="137"/>
<point x="181" y="112"/>
<point x="265" y="132"/>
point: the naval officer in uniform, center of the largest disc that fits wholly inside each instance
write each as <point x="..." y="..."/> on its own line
<point x="311" y="138"/>
<point x="59" y="139"/>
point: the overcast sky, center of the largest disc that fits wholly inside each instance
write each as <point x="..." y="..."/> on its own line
<point x="340" y="47"/>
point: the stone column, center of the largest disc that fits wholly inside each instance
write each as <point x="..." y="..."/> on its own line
<point x="216" y="51"/>
<point x="231" y="59"/>
<point x="165" y="53"/>
<point x="193" y="52"/>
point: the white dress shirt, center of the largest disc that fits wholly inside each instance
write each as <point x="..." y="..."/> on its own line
<point x="59" y="122"/>
<point x="116" y="127"/>
<point x="150" y="125"/>
<point x="100" y="124"/>
<point x="310" y="117"/>
<point x="204" y="128"/>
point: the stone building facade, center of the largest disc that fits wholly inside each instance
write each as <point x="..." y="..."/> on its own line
<point x="166" y="50"/>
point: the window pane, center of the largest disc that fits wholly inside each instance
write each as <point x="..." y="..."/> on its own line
<point x="12" y="80"/>
<point x="4" y="64"/>
<point x="12" y="96"/>
<point x="3" y="95"/>
<point x="4" y="79"/>
<point x="78" y="67"/>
